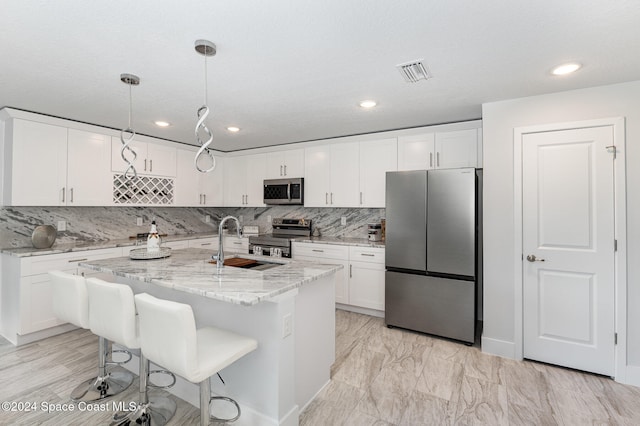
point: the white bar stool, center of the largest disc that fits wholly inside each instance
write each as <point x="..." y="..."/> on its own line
<point x="112" y="314"/>
<point x="168" y="337"/>
<point x="71" y="304"/>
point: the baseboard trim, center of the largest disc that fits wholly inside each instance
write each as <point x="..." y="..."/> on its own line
<point x="359" y="310"/>
<point x="632" y="376"/>
<point x="498" y="347"/>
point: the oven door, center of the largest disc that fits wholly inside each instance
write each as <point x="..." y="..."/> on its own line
<point x="283" y="191"/>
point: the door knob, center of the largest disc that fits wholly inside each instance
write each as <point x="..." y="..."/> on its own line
<point x="532" y="258"/>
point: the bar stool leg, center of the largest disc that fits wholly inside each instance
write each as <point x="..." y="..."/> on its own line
<point x="205" y="401"/>
<point x="154" y="411"/>
<point x="105" y="384"/>
<point x="205" y="398"/>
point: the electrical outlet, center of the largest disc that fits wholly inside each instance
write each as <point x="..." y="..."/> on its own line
<point x="287" y="325"/>
<point x="139" y="221"/>
<point x="62" y="225"/>
<point x="241" y="218"/>
<point x="343" y="220"/>
<point x="207" y="218"/>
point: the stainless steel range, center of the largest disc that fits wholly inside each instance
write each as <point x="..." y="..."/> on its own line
<point x="278" y="243"/>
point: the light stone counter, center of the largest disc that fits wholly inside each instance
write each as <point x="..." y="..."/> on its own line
<point x="360" y="242"/>
<point x="94" y="245"/>
<point x="189" y="270"/>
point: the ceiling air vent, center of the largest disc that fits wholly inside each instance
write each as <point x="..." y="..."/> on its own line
<point x="414" y="71"/>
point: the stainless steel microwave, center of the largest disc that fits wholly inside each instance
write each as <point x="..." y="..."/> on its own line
<point x="283" y="191"/>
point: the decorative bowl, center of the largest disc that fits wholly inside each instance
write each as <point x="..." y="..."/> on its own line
<point x="43" y="236"/>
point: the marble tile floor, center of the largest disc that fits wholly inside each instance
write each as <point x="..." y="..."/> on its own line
<point x="394" y="377"/>
<point x="381" y="377"/>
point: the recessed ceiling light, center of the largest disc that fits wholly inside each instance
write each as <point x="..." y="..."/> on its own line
<point x="368" y="104"/>
<point x="233" y="129"/>
<point x="566" y="68"/>
<point x="162" y="123"/>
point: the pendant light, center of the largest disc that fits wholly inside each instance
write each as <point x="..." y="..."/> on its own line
<point x="205" y="48"/>
<point x="127" y="135"/>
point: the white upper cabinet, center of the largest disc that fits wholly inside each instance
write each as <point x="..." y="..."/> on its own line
<point x="55" y="166"/>
<point x="38" y="166"/>
<point x="416" y="152"/>
<point x="331" y="175"/>
<point x="151" y="158"/>
<point x="285" y="164"/>
<point x="457" y="149"/>
<point x="243" y="177"/>
<point x="194" y="188"/>
<point x="88" y="169"/>
<point x="440" y="150"/>
<point x="376" y="159"/>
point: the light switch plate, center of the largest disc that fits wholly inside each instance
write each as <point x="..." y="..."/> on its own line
<point x="62" y="225"/>
<point x="207" y="218"/>
<point x="287" y="325"/>
<point x="139" y="221"/>
<point x="343" y="220"/>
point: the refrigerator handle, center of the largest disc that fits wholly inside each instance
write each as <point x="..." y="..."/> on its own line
<point x="437" y="159"/>
<point x="350" y="271"/>
<point x="431" y="159"/>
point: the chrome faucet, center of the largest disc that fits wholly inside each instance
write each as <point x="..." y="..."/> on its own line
<point x="219" y="258"/>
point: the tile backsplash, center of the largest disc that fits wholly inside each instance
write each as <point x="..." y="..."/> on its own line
<point x="86" y="224"/>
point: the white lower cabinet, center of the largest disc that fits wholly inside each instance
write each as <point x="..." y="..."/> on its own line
<point x="209" y="243"/>
<point x="329" y="254"/>
<point x="26" y="301"/>
<point x="361" y="281"/>
<point x="234" y="245"/>
<point x="366" y="277"/>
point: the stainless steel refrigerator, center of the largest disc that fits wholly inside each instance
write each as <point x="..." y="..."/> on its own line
<point x="432" y="251"/>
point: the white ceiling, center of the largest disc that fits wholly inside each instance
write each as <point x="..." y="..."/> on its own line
<point x="295" y="70"/>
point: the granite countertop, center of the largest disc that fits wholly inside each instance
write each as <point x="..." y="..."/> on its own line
<point x="361" y="242"/>
<point x="189" y="270"/>
<point x="58" y="248"/>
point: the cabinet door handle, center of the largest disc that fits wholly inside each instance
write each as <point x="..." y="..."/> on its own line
<point x="204" y="198"/>
<point x="350" y="271"/>
<point x="64" y="189"/>
<point x="280" y="169"/>
<point x="431" y="159"/>
<point x="367" y="254"/>
<point x="317" y="250"/>
<point x="205" y="244"/>
<point x="150" y="165"/>
<point x="71" y="199"/>
<point x="145" y="164"/>
<point x="285" y="169"/>
<point x="437" y="159"/>
<point x="77" y="260"/>
<point x="326" y="198"/>
<point x="332" y="198"/>
<point x="360" y="197"/>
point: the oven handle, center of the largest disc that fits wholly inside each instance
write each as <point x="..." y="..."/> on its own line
<point x="289" y="191"/>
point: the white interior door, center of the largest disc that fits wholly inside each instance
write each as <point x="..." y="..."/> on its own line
<point x="568" y="246"/>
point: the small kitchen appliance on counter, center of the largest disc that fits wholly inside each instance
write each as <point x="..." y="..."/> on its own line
<point x="278" y="244"/>
<point x="374" y="230"/>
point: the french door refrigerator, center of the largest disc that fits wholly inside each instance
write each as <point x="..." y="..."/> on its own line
<point x="431" y="248"/>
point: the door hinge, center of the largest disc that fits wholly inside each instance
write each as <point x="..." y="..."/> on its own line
<point x="615" y="338"/>
<point x="613" y="148"/>
<point x="615" y="245"/>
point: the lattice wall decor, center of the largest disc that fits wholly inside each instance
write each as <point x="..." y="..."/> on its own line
<point x="143" y="190"/>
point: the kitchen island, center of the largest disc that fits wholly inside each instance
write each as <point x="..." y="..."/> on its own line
<point x="288" y="309"/>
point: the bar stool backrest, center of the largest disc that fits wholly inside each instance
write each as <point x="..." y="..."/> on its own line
<point x="168" y="335"/>
<point x="112" y="312"/>
<point x="70" y="299"/>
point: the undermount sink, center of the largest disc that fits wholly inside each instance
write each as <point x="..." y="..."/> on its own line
<point x="253" y="264"/>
